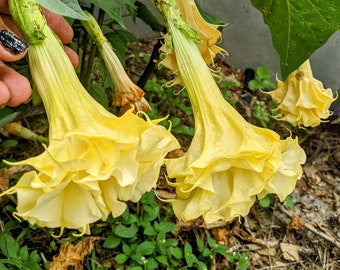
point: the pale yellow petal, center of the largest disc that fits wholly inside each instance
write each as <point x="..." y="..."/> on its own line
<point x="302" y="99"/>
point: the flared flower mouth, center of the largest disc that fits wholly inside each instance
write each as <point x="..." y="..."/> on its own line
<point x="229" y="162"/>
<point x="302" y="100"/>
<point x="95" y="161"/>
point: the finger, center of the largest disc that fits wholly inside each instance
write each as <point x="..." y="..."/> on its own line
<point x="59" y="26"/>
<point x="4" y="94"/>
<point x="72" y="55"/>
<point x="4" y="7"/>
<point x="12" y="48"/>
<point x="18" y="86"/>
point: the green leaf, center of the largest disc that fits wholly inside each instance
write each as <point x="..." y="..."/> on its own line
<point x="176" y="252"/>
<point x="111" y="241"/>
<point x="209" y="17"/>
<point x="126" y="249"/>
<point x="99" y="94"/>
<point x="207" y="252"/>
<point x="135" y="268"/>
<point x="148" y="229"/>
<point x="68" y="8"/>
<point x="299" y="27"/>
<point x="182" y="129"/>
<point x="289" y="203"/>
<point x="119" y="39"/>
<point x="170" y="242"/>
<point x="151" y="264"/>
<point x="166" y="226"/>
<point x="23" y="253"/>
<point x="221" y="249"/>
<point x="254" y="85"/>
<point x="9" y="143"/>
<point x="34" y="257"/>
<point x="7" y="115"/>
<point x="190" y="258"/>
<point x="163" y="259"/>
<point x="146" y="16"/>
<point x="211" y="242"/>
<point x="265" y="201"/>
<point x="148" y="198"/>
<point x="138" y="258"/>
<point x="262" y="74"/>
<point x="267" y="85"/>
<point x="200" y="244"/>
<point x="151" y="213"/>
<point x="146" y="248"/>
<point x="126" y="232"/>
<point x="121" y="258"/>
<point x="112" y="8"/>
<point x="9" y="246"/>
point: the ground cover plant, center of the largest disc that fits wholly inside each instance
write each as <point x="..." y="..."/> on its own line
<point x="152" y="215"/>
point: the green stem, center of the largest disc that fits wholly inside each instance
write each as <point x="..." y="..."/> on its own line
<point x="92" y="54"/>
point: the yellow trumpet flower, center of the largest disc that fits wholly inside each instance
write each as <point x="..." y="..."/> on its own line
<point x="301" y="99"/>
<point x="127" y="93"/>
<point x="95" y="160"/>
<point x="229" y="162"/>
<point x="207" y="35"/>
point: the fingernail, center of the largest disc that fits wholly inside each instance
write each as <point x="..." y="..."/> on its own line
<point x="12" y="42"/>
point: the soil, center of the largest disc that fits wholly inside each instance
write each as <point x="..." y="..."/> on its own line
<point x="274" y="237"/>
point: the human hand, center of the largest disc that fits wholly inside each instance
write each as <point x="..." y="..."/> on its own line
<point x="14" y="87"/>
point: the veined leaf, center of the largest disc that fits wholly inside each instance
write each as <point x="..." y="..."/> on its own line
<point x="69" y="8"/>
<point x="113" y="8"/>
<point x="299" y="27"/>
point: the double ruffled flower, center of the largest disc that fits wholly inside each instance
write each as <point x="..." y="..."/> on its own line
<point x="206" y="35"/>
<point x="301" y="99"/>
<point x="95" y="160"/>
<point x="229" y="162"/>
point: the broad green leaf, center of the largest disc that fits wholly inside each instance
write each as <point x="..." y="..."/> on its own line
<point x="112" y="8"/>
<point x="262" y="74"/>
<point x="166" y="226"/>
<point x="148" y="229"/>
<point x="151" y="264"/>
<point x="150" y="213"/>
<point x="9" y="246"/>
<point x="146" y="248"/>
<point x="119" y="39"/>
<point x="99" y="94"/>
<point x="112" y="241"/>
<point x="121" y="258"/>
<point x="299" y="27"/>
<point x="146" y="16"/>
<point x="68" y="8"/>
<point x="176" y="252"/>
<point x="163" y="260"/>
<point x="126" y="232"/>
